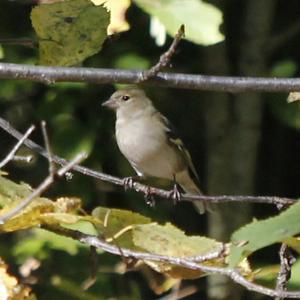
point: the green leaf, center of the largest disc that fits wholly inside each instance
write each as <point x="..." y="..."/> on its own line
<point x="284" y="68"/>
<point x="260" y="234"/>
<point x="132" y="61"/>
<point x="69" y="31"/>
<point x="201" y="20"/>
<point x="39" y="242"/>
<point x="114" y="221"/>
<point x="287" y="113"/>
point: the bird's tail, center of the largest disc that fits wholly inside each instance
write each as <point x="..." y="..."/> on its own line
<point x="187" y="183"/>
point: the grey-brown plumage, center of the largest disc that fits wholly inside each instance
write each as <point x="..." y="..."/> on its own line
<point x="147" y="140"/>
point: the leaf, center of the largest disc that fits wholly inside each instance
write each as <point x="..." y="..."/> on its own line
<point x="114" y="221"/>
<point x="284" y="68"/>
<point x="117" y="9"/>
<point x="132" y="61"/>
<point x="11" y="288"/>
<point x="293" y="96"/>
<point x="69" y="31"/>
<point x="133" y="231"/>
<point x="201" y="20"/>
<point x="169" y="240"/>
<point x="39" y="211"/>
<point x="287" y="114"/>
<point x="260" y="234"/>
<point x="38" y="243"/>
<point x="293" y="242"/>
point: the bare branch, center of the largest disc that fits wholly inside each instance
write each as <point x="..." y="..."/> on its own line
<point x="50" y="75"/>
<point x="165" y="58"/>
<point x="142" y="188"/>
<point x="26" y="42"/>
<point x="27" y="158"/>
<point x="12" y="153"/>
<point x="40" y="189"/>
<point x="183" y="262"/>
<point x="48" y="148"/>
<point x="286" y="262"/>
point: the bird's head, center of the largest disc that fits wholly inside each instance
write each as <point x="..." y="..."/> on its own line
<point x="127" y="100"/>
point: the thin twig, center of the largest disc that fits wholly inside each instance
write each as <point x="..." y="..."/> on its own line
<point x="50" y="75"/>
<point x="142" y="188"/>
<point x="48" y="148"/>
<point x="12" y="153"/>
<point x="212" y="255"/>
<point x="183" y="262"/>
<point x="286" y="262"/>
<point x="164" y="59"/>
<point x="26" y="42"/>
<point x="40" y="189"/>
<point x="27" y="158"/>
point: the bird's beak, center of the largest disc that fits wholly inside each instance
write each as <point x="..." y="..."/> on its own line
<point x="110" y="103"/>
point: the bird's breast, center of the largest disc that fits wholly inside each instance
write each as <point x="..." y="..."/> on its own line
<point x="138" y="140"/>
<point x="145" y="145"/>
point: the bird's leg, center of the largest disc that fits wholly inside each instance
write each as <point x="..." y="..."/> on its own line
<point x="175" y="194"/>
<point x="128" y="182"/>
<point x="149" y="198"/>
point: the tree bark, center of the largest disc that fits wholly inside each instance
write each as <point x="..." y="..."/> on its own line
<point x="233" y="125"/>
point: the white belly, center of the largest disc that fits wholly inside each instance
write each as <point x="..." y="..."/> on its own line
<point x="147" y="153"/>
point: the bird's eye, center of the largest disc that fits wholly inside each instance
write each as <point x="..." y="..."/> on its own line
<point x="125" y="98"/>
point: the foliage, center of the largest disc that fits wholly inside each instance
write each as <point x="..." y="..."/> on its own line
<point x="259" y="234"/>
<point x="202" y="20"/>
<point x="66" y="31"/>
<point x="79" y="32"/>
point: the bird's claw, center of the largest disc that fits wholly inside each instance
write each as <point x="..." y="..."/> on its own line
<point x="128" y="183"/>
<point x="149" y="198"/>
<point x="175" y="194"/>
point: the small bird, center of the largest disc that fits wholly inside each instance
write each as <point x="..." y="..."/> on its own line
<point x="147" y="139"/>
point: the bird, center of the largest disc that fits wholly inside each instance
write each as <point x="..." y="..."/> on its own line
<point x="149" y="142"/>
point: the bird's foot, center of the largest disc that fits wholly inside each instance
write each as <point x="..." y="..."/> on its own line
<point x="128" y="182"/>
<point x="149" y="197"/>
<point x="175" y="194"/>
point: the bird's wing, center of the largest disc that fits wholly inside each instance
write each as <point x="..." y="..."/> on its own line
<point x="175" y="140"/>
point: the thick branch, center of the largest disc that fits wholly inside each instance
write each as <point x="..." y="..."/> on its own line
<point x="138" y="187"/>
<point x="50" y="75"/>
<point x="184" y="262"/>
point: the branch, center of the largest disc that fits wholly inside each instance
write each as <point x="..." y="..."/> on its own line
<point x="183" y="262"/>
<point x="46" y="183"/>
<point x="165" y="58"/>
<point x="26" y="42"/>
<point x="286" y="262"/>
<point x="142" y="188"/>
<point x="11" y="154"/>
<point x="50" y="75"/>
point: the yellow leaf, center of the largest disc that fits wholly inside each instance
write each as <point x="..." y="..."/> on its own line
<point x="10" y="287"/>
<point x="169" y="240"/>
<point x="39" y="211"/>
<point x="117" y="9"/>
<point x="293" y="96"/>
